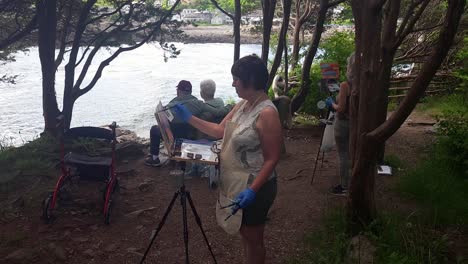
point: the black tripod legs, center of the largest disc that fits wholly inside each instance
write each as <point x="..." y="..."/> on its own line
<point x="199" y="223"/>
<point x="184" y="196"/>
<point x="183" y="203"/>
<point x="161" y="224"/>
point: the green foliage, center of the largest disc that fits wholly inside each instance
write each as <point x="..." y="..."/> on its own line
<point x="396" y="238"/>
<point x="394" y="161"/>
<point x="336" y="48"/>
<point x="310" y="104"/>
<point x="344" y="16"/>
<point x="34" y="157"/>
<point x="328" y="245"/>
<point x="438" y="105"/>
<point x="440" y="182"/>
<point x="40" y="156"/>
<point x="392" y="105"/>
<point x="104" y="3"/>
<point x="453" y="140"/>
<point x="462" y="70"/>
<point x="440" y="190"/>
<point x="246" y="5"/>
<point x="199" y="5"/>
<point x="400" y="239"/>
<point x="304" y="120"/>
<point x="230" y="101"/>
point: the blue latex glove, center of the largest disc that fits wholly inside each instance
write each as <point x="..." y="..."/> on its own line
<point x="244" y="199"/>
<point x="329" y="102"/>
<point x="182" y="112"/>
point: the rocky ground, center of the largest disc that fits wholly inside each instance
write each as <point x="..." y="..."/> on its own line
<point x="78" y="235"/>
<point x="216" y="34"/>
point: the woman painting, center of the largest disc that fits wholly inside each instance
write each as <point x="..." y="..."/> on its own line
<point x="342" y="127"/>
<point x="252" y="142"/>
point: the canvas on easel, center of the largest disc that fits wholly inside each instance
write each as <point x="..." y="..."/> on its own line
<point x="198" y="151"/>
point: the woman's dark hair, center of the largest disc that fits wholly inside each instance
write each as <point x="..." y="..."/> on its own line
<point x="251" y="71"/>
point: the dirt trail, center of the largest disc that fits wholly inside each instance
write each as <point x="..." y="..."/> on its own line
<point x="79" y="236"/>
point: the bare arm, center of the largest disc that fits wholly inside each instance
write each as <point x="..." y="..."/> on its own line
<point x="269" y="131"/>
<point x="340" y="107"/>
<point x="212" y="129"/>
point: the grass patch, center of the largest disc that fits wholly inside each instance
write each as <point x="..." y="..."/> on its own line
<point x="34" y="157"/>
<point x="408" y="239"/>
<point x="437" y="105"/>
<point x="328" y="245"/>
<point x="25" y="166"/>
<point x="392" y="105"/>
<point x="396" y="239"/>
<point x="439" y="182"/>
<point x="305" y="120"/>
<point x="440" y="190"/>
<point x="394" y="161"/>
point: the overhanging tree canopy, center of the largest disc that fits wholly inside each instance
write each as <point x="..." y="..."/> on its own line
<point x="378" y="36"/>
<point x="74" y="25"/>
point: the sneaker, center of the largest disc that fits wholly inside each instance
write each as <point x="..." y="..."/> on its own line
<point x="152" y="162"/>
<point x="339" y="190"/>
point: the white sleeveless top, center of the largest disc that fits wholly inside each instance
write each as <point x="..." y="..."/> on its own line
<point x="245" y="139"/>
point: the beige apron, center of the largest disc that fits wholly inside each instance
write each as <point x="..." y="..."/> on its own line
<point x="233" y="180"/>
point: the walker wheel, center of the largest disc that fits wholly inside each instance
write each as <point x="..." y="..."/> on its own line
<point x="108" y="213"/>
<point x="47" y="215"/>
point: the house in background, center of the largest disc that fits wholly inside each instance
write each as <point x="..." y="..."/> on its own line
<point x="219" y="18"/>
<point x="161" y="2"/>
<point x="193" y="15"/>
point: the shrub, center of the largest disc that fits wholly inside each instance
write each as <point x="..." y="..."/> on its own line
<point x="440" y="182"/>
<point x="453" y="141"/>
<point x="327" y="245"/>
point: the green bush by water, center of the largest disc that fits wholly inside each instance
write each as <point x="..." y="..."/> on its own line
<point x="40" y="156"/>
<point x="36" y="157"/>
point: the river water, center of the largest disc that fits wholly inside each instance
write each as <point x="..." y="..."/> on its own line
<point x="127" y="92"/>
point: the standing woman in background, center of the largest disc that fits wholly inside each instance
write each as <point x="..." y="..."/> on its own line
<point x="342" y="127"/>
<point x="252" y="142"/>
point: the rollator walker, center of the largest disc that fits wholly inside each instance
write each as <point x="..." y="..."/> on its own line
<point x="84" y="167"/>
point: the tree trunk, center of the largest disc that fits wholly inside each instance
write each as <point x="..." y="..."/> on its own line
<point x="296" y="43"/>
<point x="428" y="70"/>
<point x="299" y="98"/>
<point x="363" y="103"/>
<point x="368" y="131"/>
<point x="286" y="74"/>
<point x="236" y="25"/>
<point x="281" y="41"/>
<point x="67" y="111"/>
<point x="268" y="8"/>
<point x="361" y="201"/>
<point x="384" y="77"/>
<point x="47" y="20"/>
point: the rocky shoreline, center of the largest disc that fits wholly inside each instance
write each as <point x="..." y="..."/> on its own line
<point x="215" y="34"/>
